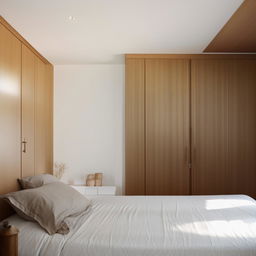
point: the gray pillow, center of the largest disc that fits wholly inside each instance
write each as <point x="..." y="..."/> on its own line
<point x="49" y="205"/>
<point x="37" y="181"/>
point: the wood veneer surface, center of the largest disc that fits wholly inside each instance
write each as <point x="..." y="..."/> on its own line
<point x="10" y="114"/>
<point x="28" y="111"/>
<point x="43" y="118"/>
<point x="210" y="174"/>
<point x="135" y="128"/>
<point x="223" y="127"/>
<point x="167" y="127"/>
<point x="20" y="66"/>
<point x="238" y="34"/>
<point x="242" y="127"/>
<point x="22" y="39"/>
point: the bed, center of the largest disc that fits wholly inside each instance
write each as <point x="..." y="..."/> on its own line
<point x="151" y="225"/>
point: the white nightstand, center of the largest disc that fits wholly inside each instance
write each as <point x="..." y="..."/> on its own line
<point x="96" y="191"/>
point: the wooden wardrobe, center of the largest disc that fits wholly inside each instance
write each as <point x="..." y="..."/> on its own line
<point x="37" y="92"/>
<point x="26" y="127"/>
<point x="190" y="124"/>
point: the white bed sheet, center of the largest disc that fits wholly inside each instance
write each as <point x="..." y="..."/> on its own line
<point x="152" y="225"/>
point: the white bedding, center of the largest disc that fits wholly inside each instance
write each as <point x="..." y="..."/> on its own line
<point x="160" y="225"/>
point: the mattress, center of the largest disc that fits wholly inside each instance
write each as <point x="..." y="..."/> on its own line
<point x="151" y="225"/>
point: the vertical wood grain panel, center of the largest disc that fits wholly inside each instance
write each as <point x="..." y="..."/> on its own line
<point x="167" y="127"/>
<point x="28" y="111"/>
<point x="134" y="128"/>
<point x="49" y="122"/>
<point x="224" y="126"/>
<point x="210" y="79"/>
<point x="242" y="127"/>
<point x="41" y="118"/>
<point x="10" y="112"/>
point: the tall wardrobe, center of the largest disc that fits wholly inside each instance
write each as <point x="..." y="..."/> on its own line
<point x="190" y="124"/>
<point x="26" y="96"/>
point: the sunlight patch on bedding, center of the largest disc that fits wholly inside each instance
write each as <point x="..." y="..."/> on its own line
<point x="215" y="204"/>
<point x="219" y="228"/>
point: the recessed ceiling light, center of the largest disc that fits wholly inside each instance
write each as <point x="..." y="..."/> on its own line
<point x="71" y="18"/>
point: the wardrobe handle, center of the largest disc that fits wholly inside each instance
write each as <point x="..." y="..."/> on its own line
<point x="24" y="144"/>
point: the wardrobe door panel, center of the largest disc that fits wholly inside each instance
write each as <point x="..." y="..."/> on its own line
<point x="49" y="118"/>
<point x="28" y="112"/>
<point x="10" y="118"/>
<point x="210" y="81"/>
<point x="242" y="127"/>
<point x="41" y="119"/>
<point x="167" y="127"/>
<point x="134" y="128"/>
<point x="10" y="87"/>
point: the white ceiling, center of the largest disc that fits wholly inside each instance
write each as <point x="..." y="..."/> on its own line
<point x="104" y="30"/>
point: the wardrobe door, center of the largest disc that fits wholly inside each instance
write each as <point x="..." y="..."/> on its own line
<point x="28" y="112"/>
<point x="10" y="87"/>
<point x="242" y="127"/>
<point x="43" y="123"/>
<point x="49" y="117"/>
<point x="167" y="127"/>
<point x="210" y="85"/>
<point x="134" y="128"/>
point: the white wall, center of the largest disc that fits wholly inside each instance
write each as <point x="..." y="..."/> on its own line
<point x="89" y="121"/>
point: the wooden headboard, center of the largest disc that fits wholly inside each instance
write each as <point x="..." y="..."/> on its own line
<point x="26" y="112"/>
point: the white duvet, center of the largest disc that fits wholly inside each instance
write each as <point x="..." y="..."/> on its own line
<point x="151" y="225"/>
